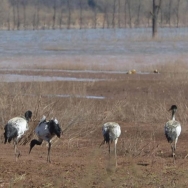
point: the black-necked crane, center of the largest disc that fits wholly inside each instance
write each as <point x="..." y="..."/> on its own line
<point x="15" y="128"/>
<point x="173" y="130"/>
<point x="46" y="130"/>
<point x="111" y="132"/>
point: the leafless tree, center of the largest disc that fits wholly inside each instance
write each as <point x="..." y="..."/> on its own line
<point x="161" y="14"/>
<point x="34" y="20"/>
<point x="155" y="13"/>
<point x="8" y="19"/>
<point x="177" y="12"/>
<point x="54" y="14"/>
<point x="119" y="13"/>
<point x="69" y="14"/>
<point x="105" y="18"/>
<point x="95" y="15"/>
<point x="169" y="12"/>
<point x="61" y="14"/>
<point x="14" y="13"/>
<point x="125" y="13"/>
<point x="18" y="14"/>
<point x="113" y="14"/>
<point x="81" y="11"/>
<point x="24" y="3"/>
<point x="148" y="16"/>
<point x="138" y="13"/>
<point x="37" y="14"/>
<point x="129" y="11"/>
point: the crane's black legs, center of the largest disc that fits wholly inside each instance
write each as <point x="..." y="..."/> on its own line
<point x="16" y="151"/>
<point x="173" y="147"/>
<point x="49" y="147"/>
<point x="173" y="152"/>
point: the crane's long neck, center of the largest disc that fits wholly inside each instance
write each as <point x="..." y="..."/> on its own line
<point x="173" y="115"/>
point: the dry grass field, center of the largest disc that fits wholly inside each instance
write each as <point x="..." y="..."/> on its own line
<point x="138" y="102"/>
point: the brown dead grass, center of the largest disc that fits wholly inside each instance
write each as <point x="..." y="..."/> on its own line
<point x="139" y="103"/>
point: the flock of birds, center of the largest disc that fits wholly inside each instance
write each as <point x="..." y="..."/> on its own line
<point x="46" y="130"/>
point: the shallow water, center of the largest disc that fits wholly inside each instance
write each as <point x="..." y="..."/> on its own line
<point x="28" y="78"/>
<point x="119" y="49"/>
<point x="69" y="96"/>
<point x="91" y="42"/>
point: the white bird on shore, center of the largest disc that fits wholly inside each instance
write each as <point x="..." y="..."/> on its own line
<point x="46" y="130"/>
<point x="173" y="130"/>
<point x="111" y="132"/>
<point x="15" y="128"/>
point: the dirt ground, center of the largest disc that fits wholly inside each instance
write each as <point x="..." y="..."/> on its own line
<point x="144" y="156"/>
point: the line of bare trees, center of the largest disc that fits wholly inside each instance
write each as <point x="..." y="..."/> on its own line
<point x="59" y="14"/>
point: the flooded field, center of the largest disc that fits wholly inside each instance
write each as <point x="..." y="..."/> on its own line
<point x="100" y="49"/>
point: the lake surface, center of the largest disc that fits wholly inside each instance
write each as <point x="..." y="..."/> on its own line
<point x="100" y="47"/>
<point x="105" y="50"/>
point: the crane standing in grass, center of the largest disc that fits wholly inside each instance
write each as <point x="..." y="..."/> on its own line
<point x="15" y="128"/>
<point x="46" y="130"/>
<point x="111" y="132"/>
<point x="173" y="130"/>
